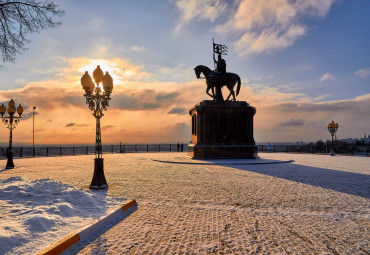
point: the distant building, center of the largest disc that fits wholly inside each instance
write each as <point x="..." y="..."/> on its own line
<point x="364" y="140"/>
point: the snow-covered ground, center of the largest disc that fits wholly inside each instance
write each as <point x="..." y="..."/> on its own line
<point x="316" y="204"/>
<point x="35" y="214"/>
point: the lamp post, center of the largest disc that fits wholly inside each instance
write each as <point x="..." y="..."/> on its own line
<point x="97" y="101"/>
<point x="332" y="128"/>
<point x="33" y="131"/>
<point x="10" y="122"/>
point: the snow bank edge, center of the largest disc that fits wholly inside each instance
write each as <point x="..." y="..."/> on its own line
<point x="87" y="231"/>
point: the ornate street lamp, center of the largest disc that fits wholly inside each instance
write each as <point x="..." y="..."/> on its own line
<point x="332" y="128"/>
<point x="98" y="101"/>
<point x="10" y="122"/>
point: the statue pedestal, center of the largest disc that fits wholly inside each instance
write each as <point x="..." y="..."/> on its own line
<point x="222" y="130"/>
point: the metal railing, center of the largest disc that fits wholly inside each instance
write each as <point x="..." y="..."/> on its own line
<point x="342" y="150"/>
<point x="53" y="151"/>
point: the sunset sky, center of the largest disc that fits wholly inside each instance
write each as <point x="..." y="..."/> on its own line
<point x="303" y="63"/>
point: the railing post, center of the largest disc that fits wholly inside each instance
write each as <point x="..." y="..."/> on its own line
<point x="147" y="148"/>
<point x="159" y="148"/>
<point x="73" y="150"/>
<point x="312" y="149"/>
<point x="60" y="151"/>
<point x="87" y="150"/>
<point x="21" y="152"/>
<point x="112" y="148"/>
<point x="274" y="148"/>
<point x="170" y="147"/>
<point x="47" y="151"/>
<point x="124" y="148"/>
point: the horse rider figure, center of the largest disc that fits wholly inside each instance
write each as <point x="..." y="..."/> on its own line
<point x="220" y="72"/>
<point x="220" y="64"/>
<point x="216" y="79"/>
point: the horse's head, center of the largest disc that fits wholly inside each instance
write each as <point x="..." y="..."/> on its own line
<point x="202" y="69"/>
<point x="197" y="72"/>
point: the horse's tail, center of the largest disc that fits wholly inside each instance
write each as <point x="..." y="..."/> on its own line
<point x="239" y="83"/>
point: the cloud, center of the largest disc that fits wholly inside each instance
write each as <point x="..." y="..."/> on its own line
<point x="178" y="110"/>
<point x="269" y="25"/>
<point x="103" y="49"/>
<point x="202" y="10"/>
<point x="71" y="124"/>
<point x="317" y="116"/>
<point x="137" y="48"/>
<point x="293" y="123"/>
<point x="27" y="115"/>
<point x="363" y="73"/>
<point x="179" y="73"/>
<point x="358" y="106"/>
<point x="143" y="111"/>
<point x="107" y="127"/>
<point x="120" y="69"/>
<point x="142" y="99"/>
<point x="327" y="77"/>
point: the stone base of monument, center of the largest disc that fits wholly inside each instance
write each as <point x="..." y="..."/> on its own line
<point x="222" y="130"/>
<point x="222" y="151"/>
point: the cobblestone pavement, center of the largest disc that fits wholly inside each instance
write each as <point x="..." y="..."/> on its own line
<point x="316" y="204"/>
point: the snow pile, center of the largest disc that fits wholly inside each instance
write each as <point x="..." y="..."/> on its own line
<point x="35" y="214"/>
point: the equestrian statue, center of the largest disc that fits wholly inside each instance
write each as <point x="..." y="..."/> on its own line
<point x="216" y="79"/>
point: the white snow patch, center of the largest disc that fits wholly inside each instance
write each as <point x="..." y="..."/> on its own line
<point x="35" y="214"/>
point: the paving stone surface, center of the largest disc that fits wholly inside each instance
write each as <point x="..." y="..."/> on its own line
<point x="315" y="204"/>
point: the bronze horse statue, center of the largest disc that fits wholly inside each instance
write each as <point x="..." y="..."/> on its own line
<point x="216" y="80"/>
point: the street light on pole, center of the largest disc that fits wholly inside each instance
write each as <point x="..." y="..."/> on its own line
<point x="98" y="101"/>
<point x="332" y="128"/>
<point x="10" y="122"/>
<point x="33" y="132"/>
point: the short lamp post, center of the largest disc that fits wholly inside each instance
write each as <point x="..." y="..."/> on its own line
<point x="332" y="128"/>
<point x="10" y="122"/>
<point x="97" y="101"/>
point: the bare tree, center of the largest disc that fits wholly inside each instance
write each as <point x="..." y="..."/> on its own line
<point x="18" y="19"/>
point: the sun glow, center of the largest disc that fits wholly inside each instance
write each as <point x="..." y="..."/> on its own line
<point x="106" y="67"/>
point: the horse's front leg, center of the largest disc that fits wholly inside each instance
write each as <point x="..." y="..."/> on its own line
<point x="227" y="99"/>
<point x="207" y="91"/>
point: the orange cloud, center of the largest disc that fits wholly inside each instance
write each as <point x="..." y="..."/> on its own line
<point x="157" y="112"/>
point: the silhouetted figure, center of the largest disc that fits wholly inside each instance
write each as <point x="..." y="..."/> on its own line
<point x="178" y="147"/>
<point x="220" y="64"/>
<point x="215" y="80"/>
<point x="182" y="147"/>
<point x="218" y="78"/>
